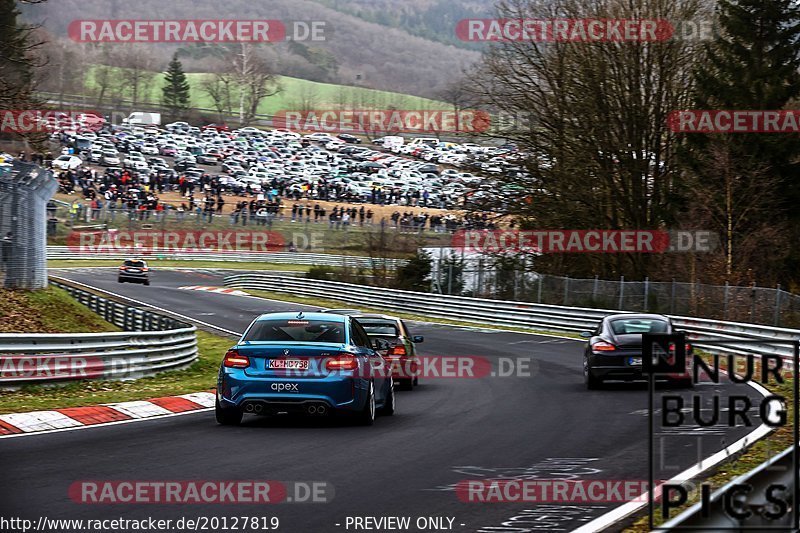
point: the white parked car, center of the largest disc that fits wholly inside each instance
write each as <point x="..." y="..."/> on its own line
<point x="67" y="162"/>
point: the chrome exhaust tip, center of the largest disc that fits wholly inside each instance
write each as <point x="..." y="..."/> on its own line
<point x="249" y="408"/>
<point x="312" y="409"/>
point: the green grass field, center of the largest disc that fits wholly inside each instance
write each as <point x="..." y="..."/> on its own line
<point x="293" y="92"/>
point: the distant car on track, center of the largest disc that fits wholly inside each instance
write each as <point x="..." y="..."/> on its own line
<point x="134" y="270"/>
<point x="402" y="350"/>
<point x="614" y="349"/>
<point x="315" y="364"/>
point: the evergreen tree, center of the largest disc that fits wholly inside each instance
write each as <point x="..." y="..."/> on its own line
<point x="415" y="274"/>
<point x="176" y="89"/>
<point x="17" y="61"/>
<point x="752" y="64"/>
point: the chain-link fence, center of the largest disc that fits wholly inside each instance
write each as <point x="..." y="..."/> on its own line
<point x="24" y="191"/>
<point x="515" y="280"/>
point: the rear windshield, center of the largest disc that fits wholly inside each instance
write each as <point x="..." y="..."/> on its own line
<point x="296" y="331"/>
<point x="383" y="328"/>
<point x="131" y="263"/>
<point x="638" y="325"/>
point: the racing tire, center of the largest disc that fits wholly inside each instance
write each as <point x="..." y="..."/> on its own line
<point x="389" y="403"/>
<point x="592" y="382"/>
<point x="406" y="384"/>
<point x="120" y="280"/>
<point x="147" y="282"/>
<point x="227" y="417"/>
<point x="366" y="417"/>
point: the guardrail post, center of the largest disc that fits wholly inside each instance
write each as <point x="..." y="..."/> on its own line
<point x="646" y="294"/>
<point x="566" y="290"/>
<point x="777" y="318"/>
<point x="480" y="276"/>
<point x="672" y="298"/>
<point x="725" y="302"/>
<point x="450" y="278"/>
<point x="541" y="280"/>
<point x="621" y="291"/>
<point x="594" y="289"/>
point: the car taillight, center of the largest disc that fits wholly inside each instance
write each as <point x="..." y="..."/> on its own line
<point x="144" y="269"/>
<point x="342" y="362"/>
<point x="123" y="268"/>
<point x="400" y="349"/>
<point x="234" y="359"/>
<point x="603" y="346"/>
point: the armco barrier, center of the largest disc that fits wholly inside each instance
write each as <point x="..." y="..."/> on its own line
<point x="280" y="258"/>
<point x="151" y="343"/>
<point x="509" y="313"/>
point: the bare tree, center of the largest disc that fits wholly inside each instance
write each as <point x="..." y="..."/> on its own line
<point x="598" y="150"/>
<point x="306" y="98"/>
<point x="255" y="80"/>
<point x="137" y="71"/>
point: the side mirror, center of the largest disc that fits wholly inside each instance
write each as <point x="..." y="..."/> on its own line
<point x="418" y="338"/>
<point x="586" y="334"/>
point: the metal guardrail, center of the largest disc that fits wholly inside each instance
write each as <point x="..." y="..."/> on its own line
<point x="511" y="313"/>
<point x="777" y="470"/>
<point x="281" y="258"/>
<point x="151" y="343"/>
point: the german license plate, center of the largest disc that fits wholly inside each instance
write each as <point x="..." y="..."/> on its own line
<point x="287" y="364"/>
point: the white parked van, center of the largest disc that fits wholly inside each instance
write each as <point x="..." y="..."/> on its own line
<point x="143" y="119"/>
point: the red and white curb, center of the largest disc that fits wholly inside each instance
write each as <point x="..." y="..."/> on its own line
<point x="75" y="417"/>
<point x="218" y="290"/>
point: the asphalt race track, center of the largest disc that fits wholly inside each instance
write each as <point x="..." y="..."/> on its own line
<point x="445" y="431"/>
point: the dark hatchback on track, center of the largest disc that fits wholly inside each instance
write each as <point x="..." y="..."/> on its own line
<point x="614" y="349"/>
<point x="134" y="271"/>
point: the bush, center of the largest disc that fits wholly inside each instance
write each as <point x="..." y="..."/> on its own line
<point x="321" y="272"/>
<point x="415" y="274"/>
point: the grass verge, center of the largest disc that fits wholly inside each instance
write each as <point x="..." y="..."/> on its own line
<point x="51" y="310"/>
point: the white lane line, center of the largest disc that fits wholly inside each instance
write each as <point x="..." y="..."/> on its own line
<point x="39" y="421"/>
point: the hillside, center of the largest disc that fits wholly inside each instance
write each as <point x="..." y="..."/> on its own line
<point x="355" y="52"/>
<point x="429" y="19"/>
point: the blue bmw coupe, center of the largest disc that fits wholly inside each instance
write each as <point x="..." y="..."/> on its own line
<point x="315" y="364"/>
